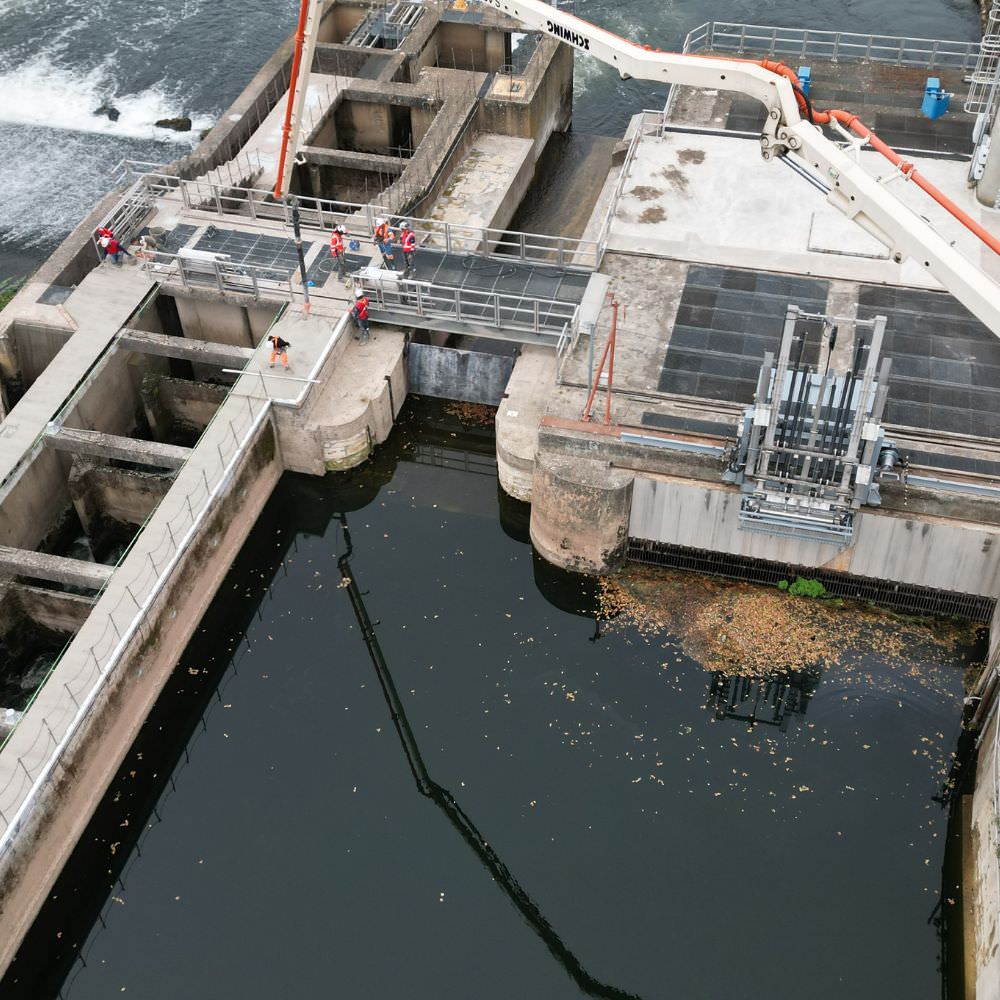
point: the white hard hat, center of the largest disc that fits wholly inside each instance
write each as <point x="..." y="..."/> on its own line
<point x="380" y="221"/>
<point x="359" y="293"/>
<point x="404" y="224"/>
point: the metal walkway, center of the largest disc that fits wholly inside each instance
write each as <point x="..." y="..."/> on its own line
<point x="531" y="303"/>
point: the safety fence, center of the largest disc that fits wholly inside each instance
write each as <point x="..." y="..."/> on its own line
<point x="224" y="195"/>
<point x="31" y="753"/>
<point x="800" y="43"/>
<point x="476" y="307"/>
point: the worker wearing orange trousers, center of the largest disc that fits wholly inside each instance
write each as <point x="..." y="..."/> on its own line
<point x="279" y="349"/>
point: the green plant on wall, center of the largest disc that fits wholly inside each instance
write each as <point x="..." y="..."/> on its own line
<point x="8" y="289"/>
<point x="803" y="587"/>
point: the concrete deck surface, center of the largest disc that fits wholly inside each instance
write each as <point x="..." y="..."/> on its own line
<point x="481" y="183"/>
<point x="714" y="200"/>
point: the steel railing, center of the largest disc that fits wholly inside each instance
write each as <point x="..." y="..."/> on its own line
<point x="985" y="80"/>
<point x="478" y="307"/>
<point x="221" y="275"/>
<point x="147" y="184"/>
<point x="233" y="199"/>
<point x="650" y="123"/>
<point x="800" y="43"/>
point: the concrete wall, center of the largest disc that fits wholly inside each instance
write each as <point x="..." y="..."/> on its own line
<point x="469" y="376"/>
<point x="101" y="492"/>
<point x="956" y="556"/>
<point x="458" y="45"/>
<point x="547" y="106"/>
<point x="66" y="804"/>
<point x="35" y="503"/>
<point x="421" y="119"/>
<point x="224" y="322"/>
<point x="364" y="126"/>
<point x="111" y="403"/>
<point x="36" y="346"/>
<point x="339" y="21"/>
<point x="173" y="405"/>
<point x="51" y="609"/>
<point x="985" y="890"/>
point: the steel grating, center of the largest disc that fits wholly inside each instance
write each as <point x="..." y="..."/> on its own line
<point x="274" y="256"/>
<point x="945" y="363"/>
<point x="726" y="321"/>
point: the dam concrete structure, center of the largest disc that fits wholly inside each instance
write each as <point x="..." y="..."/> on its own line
<point x="144" y="424"/>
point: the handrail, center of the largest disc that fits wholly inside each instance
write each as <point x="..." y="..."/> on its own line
<point x="928" y="53"/>
<point x="483" y="307"/>
<point x="658" y="120"/>
<point x="359" y="219"/>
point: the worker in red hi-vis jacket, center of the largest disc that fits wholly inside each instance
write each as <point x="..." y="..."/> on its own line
<point x="408" y="243"/>
<point x="359" y="313"/>
<point x="337" y="250"/>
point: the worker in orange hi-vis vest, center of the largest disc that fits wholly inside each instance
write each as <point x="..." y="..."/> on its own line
<point x="382" y="238"/>
<point x="408" y="244"/>
<point x="337" y="250"/>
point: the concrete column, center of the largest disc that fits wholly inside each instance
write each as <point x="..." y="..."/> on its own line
<point x="580" y="511"/>
<point x="528" y="391"/>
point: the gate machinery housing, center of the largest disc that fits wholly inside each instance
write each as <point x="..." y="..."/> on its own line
<point x="811" y="448"/>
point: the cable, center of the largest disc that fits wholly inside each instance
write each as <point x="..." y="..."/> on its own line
<point x="469" y="263"/>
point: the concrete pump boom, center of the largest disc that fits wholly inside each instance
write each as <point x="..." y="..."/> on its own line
<point x="855" y="192"/>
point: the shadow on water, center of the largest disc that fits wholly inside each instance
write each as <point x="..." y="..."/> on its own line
<point x="447" y="803"/>
<point x="97" y="871"/>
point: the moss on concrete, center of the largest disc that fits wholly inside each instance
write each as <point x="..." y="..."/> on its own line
<point x="8" y="289"/>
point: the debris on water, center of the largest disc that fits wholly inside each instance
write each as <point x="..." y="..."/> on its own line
<point x="755" y="631"/>
<point x="472" y="414"/>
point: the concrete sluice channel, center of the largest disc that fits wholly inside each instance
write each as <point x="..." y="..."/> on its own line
<point x="572" y="804"/>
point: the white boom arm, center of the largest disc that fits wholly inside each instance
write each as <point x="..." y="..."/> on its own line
<point x="853" y="191"/>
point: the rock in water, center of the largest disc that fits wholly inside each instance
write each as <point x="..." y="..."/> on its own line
<point x="108" y="110"/>
<point x="177" y="124"/>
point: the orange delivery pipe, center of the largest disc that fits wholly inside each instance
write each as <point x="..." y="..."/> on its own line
<point x="286" y="130"/>
<point x="909" y="171"/>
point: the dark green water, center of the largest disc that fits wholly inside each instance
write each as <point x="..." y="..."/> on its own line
<point x="638" y="845"/>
